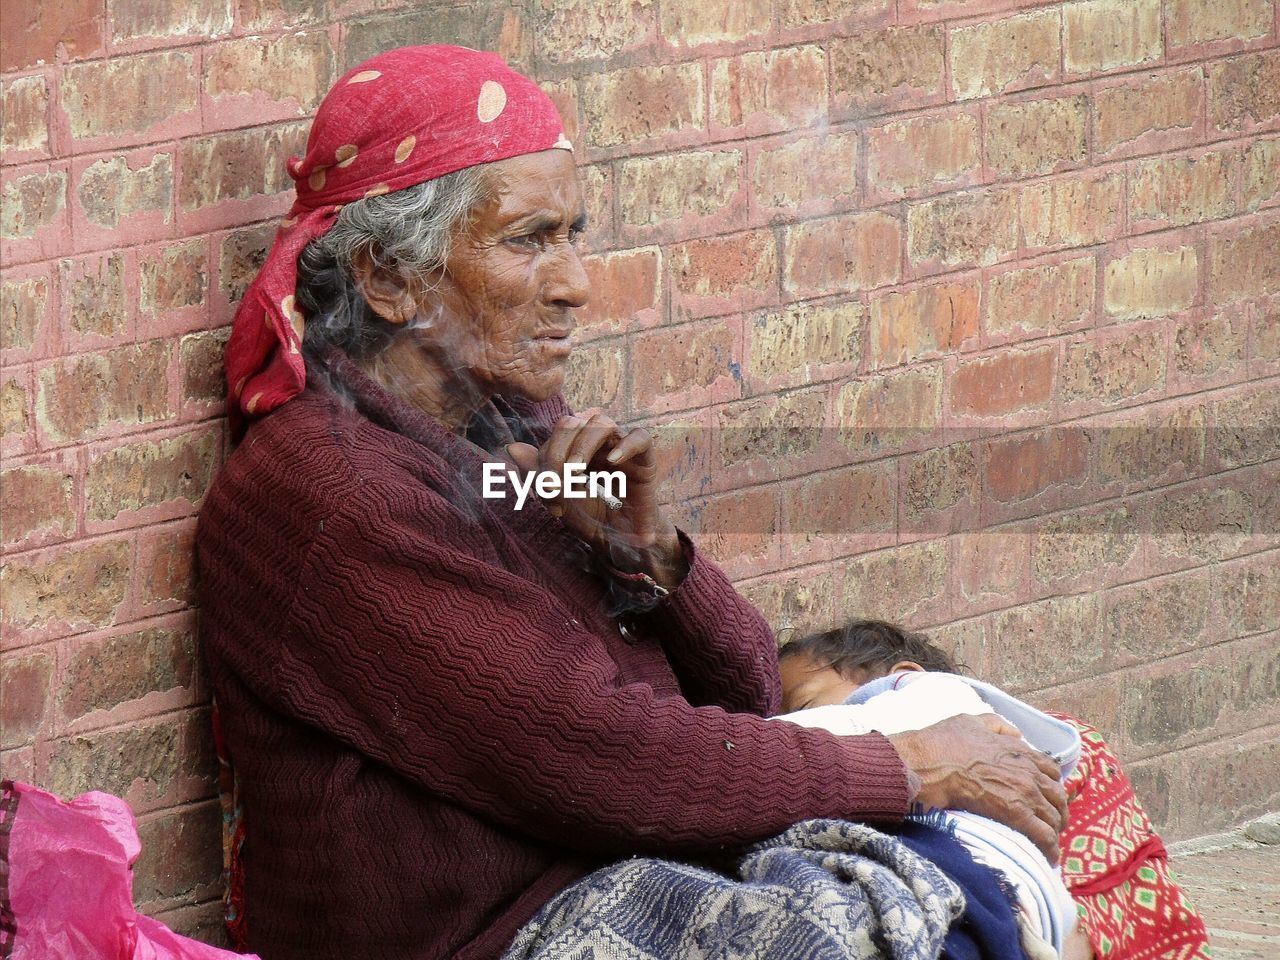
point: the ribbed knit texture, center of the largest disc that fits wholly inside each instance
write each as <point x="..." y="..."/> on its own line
<point x="435" y="721"/>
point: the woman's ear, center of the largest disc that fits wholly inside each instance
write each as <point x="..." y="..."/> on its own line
<point x="387" y="294"/>
<point x="909" y="666"/>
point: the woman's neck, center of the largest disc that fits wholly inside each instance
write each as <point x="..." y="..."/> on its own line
<point x="420" y="378"/>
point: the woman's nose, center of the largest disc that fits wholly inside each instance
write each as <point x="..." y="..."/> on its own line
<point x="566" y="281"/>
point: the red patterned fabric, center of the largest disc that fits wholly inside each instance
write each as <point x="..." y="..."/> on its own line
<point x="402" y="118"/>
<point x="1116" y="867"/>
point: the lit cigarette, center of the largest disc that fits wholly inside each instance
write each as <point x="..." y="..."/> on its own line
<point x="610" y="501"/>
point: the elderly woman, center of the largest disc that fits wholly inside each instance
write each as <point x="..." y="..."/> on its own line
<point x="443" y="710"/>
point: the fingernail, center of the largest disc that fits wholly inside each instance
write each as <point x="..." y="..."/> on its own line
<point x="613" y="455"/>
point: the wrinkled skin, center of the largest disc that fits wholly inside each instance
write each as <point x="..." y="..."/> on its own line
<point x="980" y="764"/>
<point x="498" y="320"/>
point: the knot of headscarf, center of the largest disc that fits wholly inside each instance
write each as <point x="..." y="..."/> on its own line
<point x="404" y="117"/>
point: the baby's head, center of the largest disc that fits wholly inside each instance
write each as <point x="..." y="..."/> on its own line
<point x="825" y="668"/>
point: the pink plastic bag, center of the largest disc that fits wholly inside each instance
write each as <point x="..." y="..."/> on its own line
<point x="66" y="883"/>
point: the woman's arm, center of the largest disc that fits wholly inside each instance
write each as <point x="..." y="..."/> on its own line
<point x="481" y="688"/>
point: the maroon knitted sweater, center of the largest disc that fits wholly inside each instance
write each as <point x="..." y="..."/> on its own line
<point x="435" y="721"/>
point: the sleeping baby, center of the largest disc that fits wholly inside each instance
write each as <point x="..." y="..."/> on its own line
<point x="871" y="675"/>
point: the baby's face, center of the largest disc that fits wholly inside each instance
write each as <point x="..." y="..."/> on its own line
<point x="806" y="683"/>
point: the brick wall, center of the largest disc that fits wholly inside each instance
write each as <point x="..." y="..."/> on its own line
<point x="966" y="313"/>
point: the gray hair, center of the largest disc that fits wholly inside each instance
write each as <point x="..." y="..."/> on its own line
<point x="407" y="232"/>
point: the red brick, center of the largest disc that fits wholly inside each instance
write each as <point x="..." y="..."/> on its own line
<point x="1050" y="641"/>
<point x="173" y="277"/>
<point x="1106" y="34"/>
<point x="907" y="326"/>
<point x="800" y="13"/>
<point x="123" y="386"/>
<point x="597" y="199"/>
<point x="740" y="529"/>
<point x="93" y="297"/>
<point x="1116" y="366"/>
<point x="965" y="229"/>
<point x="1206" y="346"/>
<point x="259" y="15"/>
<point x="807" y="176"/>
<point x="671" y="187"/>
<point x="1244" y="92"/>
<point x="1266" y="332"/>
<point x="239" y="165"/>
<point x="24" y="131"/>
<point x="842" y="254"/>
<point x="502" y="28"/>
<point x="766" y="91"/>
<point x="1030" y="137"/>
<point x="15" y="415"/>
<point x="39" y="501"/>
<point x="1249" y="594"/>
<point x="79" y="585"/>
<point x="922" y="154"/>
<point x="642" y="103"/>
<point x="772" y="431"/>
<point x="148" y="477"/>
<point x="575" y="30"/>
<point x="1190" y="527"/>
<point x="1204" y="21"/>
<point x="902" y="584"/>
<point x="1073" y="212"/>
<point x="1004" y="55"/>
<point x="1245" y="263"/>
<point x="24" y="697"/>
<point x="724" y="274"/>
<point x="839" y="512"/>
<point x="106" y="673"/>
<point x="136" y="188"/>
<point x="626" y="291"/>
<point x="794" y="603"/>
<point x="241" y="254"/>
<point x="991" y="565"/>
<point x="564" y="94"/>
<point x="1098" y="548"/>
<point x="939" y="491"/>
<point x="878" y="71"/>
<point x="1247" y="426"/>
<point x="1025" y="466"/>
<point x="151" y="95"/>
<point x="1151" y="282"/>
<point x="1261" y="173"/>
<point x="32" y="201"/>
<point x="200" y="355"/>
<point x="42" y="32"/>
<point x="715" y="21"/>
<point x="684" y="366"/>
<point x="179" y="858"/>
<point x="594" y="375"/>
<point x="279" y="80"/>
<point x="1153" y="447"/>
<point x="1149" y="115"/>
<point x="149" y="765"/>
<point x="998" y="385"/>
<point x="24" y="312"/>
<point x="1174" y="191"/>
<point x="799" y="343"/>
<point x="889" y="410"/>
<point x="1046" y="298"/>
<point x="165" y="571"/>
<point x="135" y="19"/>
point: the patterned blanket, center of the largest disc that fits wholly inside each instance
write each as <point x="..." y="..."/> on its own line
<point x="824" y="889"/>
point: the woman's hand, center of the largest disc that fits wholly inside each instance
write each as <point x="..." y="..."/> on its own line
<point x="982" y="764"/>
<point x="635" y="537"/>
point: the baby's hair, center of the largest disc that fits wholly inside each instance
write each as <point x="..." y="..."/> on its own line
<point x="865" y="644"/>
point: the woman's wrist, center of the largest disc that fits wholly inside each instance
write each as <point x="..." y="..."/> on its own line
<point x="663" y="561"/>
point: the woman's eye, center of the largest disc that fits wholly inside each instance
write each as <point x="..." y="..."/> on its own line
<point x="530" y="241"/>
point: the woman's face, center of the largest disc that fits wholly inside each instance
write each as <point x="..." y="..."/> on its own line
<point x="501" y="316"/>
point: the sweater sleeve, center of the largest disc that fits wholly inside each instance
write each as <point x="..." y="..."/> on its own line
<point x="721" y="647"/>
<point x="482" y="688"/>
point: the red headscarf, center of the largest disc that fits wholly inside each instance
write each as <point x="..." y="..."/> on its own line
<point x="402" y="118"/>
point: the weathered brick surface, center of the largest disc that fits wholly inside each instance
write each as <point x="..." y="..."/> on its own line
<point x="960" y="311"/>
